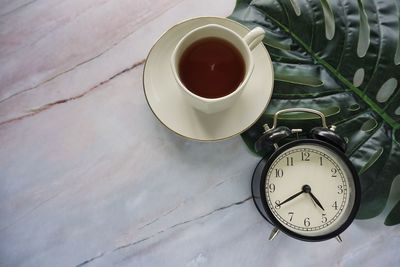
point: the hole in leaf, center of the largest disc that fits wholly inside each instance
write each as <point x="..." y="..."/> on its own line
<point x="397" y="111"/>
<point x="296" y="7"/>
<point x="371" y="160"/>
<point x="393" y="202"/>
<point x="329" y="19"/>
<point x="297" y="79"/>
<point x="363" y="34"/>
<point x="274" y="40"/>
<point x="397" y="55"/>
<point x="358" y="77"/>
<point x="386" y="90"/>
<point x="369" y="125"/>
<point x="331" y="111"/>
<point x="354" y="107"/>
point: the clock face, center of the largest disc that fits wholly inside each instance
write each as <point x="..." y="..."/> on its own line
<point x="310" y="190"/>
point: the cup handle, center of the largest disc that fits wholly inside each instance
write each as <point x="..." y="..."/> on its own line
<point x="254" y="37"/>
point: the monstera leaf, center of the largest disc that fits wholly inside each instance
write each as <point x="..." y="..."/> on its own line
<point x="341" y="57"/>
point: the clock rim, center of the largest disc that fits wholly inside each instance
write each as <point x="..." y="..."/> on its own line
<point x="357" y="191"/>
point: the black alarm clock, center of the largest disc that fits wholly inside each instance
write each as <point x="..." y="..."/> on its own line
<point x="307" y="188"/>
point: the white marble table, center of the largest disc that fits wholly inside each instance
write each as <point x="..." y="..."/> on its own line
<point x="89" y="177"/>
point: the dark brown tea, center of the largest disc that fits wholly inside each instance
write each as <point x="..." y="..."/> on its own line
<point x="211" y="68"/>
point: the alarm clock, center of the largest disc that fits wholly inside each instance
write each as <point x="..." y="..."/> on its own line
<point x="306" y="188"/>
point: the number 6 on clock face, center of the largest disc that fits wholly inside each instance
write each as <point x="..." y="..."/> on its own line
<point x="309" y="190"/>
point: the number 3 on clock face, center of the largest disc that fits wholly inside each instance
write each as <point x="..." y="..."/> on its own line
<point x="309" y="190"/>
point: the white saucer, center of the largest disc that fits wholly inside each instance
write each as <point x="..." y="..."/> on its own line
<point x="166" y="100"/>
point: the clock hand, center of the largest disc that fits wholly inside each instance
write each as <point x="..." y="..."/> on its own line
<point x="307" y="189"/>
<point x="316" y="201"/>
<point x="291" y="197"/>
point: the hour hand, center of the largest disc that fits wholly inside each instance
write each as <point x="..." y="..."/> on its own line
<point x="291" y="197"/>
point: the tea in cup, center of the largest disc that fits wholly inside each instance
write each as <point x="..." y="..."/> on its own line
<point x="212" y="65"/>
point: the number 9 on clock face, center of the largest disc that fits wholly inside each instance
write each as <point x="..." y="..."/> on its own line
<point x="309" y="190"/>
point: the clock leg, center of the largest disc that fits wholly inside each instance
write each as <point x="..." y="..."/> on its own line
<point x="339" y="239"/>
<point x="274" y="232"/>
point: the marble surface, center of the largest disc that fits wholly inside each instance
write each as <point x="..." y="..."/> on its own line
<point x="89" y="177"/>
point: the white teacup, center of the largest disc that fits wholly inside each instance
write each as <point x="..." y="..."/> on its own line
<point x="243" y="44"/>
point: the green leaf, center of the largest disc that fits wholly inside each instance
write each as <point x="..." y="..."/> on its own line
<point x="394" y="216"/>
<point x="340" y="57"/>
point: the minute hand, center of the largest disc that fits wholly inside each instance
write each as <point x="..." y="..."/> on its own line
<point x="292" y="197"/>
<point x="316" y="201"/>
